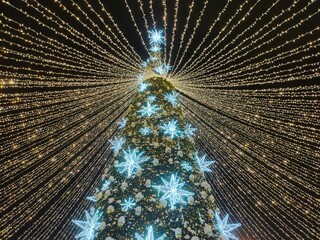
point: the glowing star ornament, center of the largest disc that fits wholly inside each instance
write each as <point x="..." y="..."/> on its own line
<point x="224" y="228"/>
<point x="171" y="129"/>
<point x="171" y="98"/>
<point x="128" y="204"/>
<point x="151" y="98"/>
<point x="89" y="226"/>
<point x="156" y="37"/>
<point x="150" y="235"/>
<point x="189" y="130"/>
<point x="145" y="131"/>
<point x="186" y="166"/>
<point x="116" y="143"/>
<point x="203" y="164"/>
<point x="122" y="123"/>
<point x="132" y="162"/>
<point x="142" y="87"/>
<point x="163" y="69"/>
<point x="148" y="110"/>
<point x="173" y="191"/>
<point x="155" y="49"/>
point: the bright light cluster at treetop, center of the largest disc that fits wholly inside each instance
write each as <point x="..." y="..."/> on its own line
<point x="79" y="94"/>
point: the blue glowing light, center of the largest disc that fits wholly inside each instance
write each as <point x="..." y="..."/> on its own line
<point x="105" y="185"/>
<point x="150" y="235"/>
<point x="162" y="69"/>
<point x="171" y="98"/>
<point x="189" y="130"/>
<point x="148" y="110"/>
<point x="224" y="228"/>
<point x="186" y="166"/>
<point x="151" y="98"/>
<point x="156" y="37"/>
<point x="173" y="192"/>
<point x="171" y="128"/>
<point x="89" y="226"/>
<point x="145" y="131"/>
<point x="92" y="198"/>
<point x="155" y="48"/>
<point x="128" y="204"/>
<point x="203" y="164"/>
<point x="116" y="143"/>
<point x="132" y="161"/>
<point x="122" y="123"/>
<point x="140" y="78"/>
<point x="144" y="64"/>
<point x="142" y="87"/>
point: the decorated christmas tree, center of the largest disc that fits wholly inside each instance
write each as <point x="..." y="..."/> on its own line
<point x="155" y="188"/>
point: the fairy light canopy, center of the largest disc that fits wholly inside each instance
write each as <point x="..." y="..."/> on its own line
<point x="246" y="73"/>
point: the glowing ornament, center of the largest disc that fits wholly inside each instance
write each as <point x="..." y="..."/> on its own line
<point x="122" y="123"/>
<point x="148" y="110"/>
<point x="186" y="166"/>
<point x="189" y="131"/>
<point x="142" y="87"/>
<point x="156" y="37"/>
<point x="151" y="98"/>
<point x="132" y="162"/>
<point x="224" y="228"/>
<point x="173" y="191"/>
<point x="203" y="164"/>
<point x="150" y="235"/>
<point x="128" y="204"/>
<point x="116" y="143"/>
<point x="105" y="185"/>
<point x="145" y="131"/>
<point x="171" y="98"/>
<point x="89" y="226"/>
<point x="171" y="128"/>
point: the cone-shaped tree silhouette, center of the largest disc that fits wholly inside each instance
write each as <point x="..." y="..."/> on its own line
<point x="155" y="188"/>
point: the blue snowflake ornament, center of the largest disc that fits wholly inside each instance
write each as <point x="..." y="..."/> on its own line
<point x="128" y="204"/>
<point x="189" y="130"/>
<point x="132" y="162"/>
<point x="171" y="98"/>
<point x="148" y="110"/>
<point x="150" y="235"/>
<point x="156" y="37"/>
<point x="186" y="166"/>
<point x="224" y="228"/>
<point x="203" y="163"/>
<point x="89" y="226"/>
<point x="171" y="129"/>
<point x="142" y="87"/>
<point x="105" y="185"/>
<point x="122" y="123"/>
<point x="145" y="131"/>
<point x="173" y="191"/>
<point x="117" y="143"/>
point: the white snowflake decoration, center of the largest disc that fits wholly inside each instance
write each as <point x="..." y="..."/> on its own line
<point x="224" y="228"/>
<point x="89" y="226"/>
<point x="116" y="143"/>
<point x="148" y="110"/>
<point x="173" y="191"/>
<point x="128" y="204"/>
<point x="203" y="164"/>
<point x="171" y="128"/>
<point x="132" y="162"/>
<point x="122" y="123"/>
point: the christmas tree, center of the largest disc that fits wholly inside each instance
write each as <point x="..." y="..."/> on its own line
<point x="156" y="188"/>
